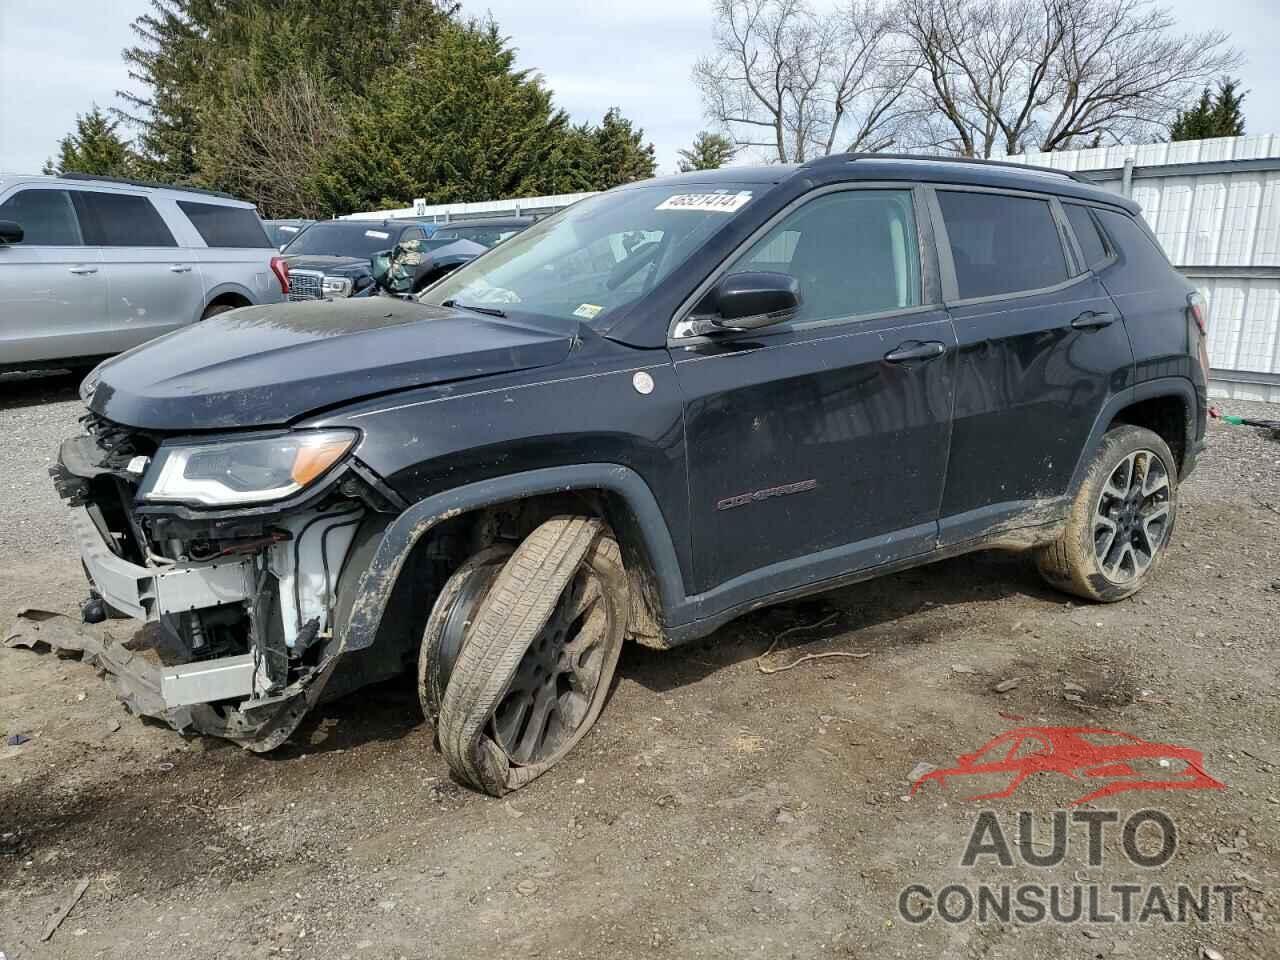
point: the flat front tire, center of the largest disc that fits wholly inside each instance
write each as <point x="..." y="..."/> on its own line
<point x="1120" y="522"/>
<point x="538" y="656"/>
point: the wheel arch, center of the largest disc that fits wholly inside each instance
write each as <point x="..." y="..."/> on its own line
<point x="1154" y="404"/>
<point x="227" y="294"/>
<point x="617" y="493"/>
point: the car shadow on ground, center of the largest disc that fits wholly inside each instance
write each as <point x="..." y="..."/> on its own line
<point x="32" y="389"/>
<point x="843" y="613"/>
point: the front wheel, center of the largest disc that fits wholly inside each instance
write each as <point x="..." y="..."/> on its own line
<point x="1120" y="521"/>
<point x="537" y="636"/>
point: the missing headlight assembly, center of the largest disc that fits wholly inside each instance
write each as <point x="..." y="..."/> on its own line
<point x="231" y="550"/>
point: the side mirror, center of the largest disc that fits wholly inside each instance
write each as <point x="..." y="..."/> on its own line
<point x="748" y="301"/>
<point x="10" y="232"/>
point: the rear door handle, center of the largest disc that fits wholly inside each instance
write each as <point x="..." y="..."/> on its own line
<point x="179" y="268"/>
<point x="83" y="270"/>
<point x="915" y="351"/>
<point x="1092" y="320"/>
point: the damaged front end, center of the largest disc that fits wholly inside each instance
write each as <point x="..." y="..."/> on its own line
<point x="233" y="551"/>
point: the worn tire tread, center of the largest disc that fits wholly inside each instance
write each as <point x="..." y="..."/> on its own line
<point x="517" y="606"/>
<point x="1068" y="563"/>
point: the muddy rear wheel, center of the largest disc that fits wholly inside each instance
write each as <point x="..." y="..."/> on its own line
<point x="537" y="655"/>
<point x="1120" y="521"/>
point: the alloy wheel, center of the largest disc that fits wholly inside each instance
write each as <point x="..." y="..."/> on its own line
<point x="1131" y="518"/>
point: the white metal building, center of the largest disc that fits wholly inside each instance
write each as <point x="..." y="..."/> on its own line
<point x="1215" y="205"/>
<point x="444" y="212"/>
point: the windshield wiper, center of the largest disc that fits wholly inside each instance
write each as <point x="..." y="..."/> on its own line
<point x="487" y="311"/>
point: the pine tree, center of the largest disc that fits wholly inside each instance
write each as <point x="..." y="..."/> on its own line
<point x="1228" y="117"/>
<point x="622" y="156"/>
<point x="193" y="55"/>
<point x="456" y="122"/>
<point x="710" y="151"/>
<point x="1213" y="115"/>
<point x="95" y="147"/>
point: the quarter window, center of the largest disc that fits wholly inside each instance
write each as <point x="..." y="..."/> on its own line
<point x="47" y="218"/>
<point x="1086" y="231"/>
<point x="122" y="220"/>
<point x="854" y="252"/>
<point x="1002" y="244"/>
<point x="220" y="225"/>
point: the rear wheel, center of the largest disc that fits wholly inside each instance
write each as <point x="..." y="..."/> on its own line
<point x="1120" y="521"/>
<point x="216" y="308"/>
<point x="537" y="643"/>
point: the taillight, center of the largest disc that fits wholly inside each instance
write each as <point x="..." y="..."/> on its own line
<point x="1197" y="312"/>
<point x="1196" y="307"/>
<point x="280" y="267"/>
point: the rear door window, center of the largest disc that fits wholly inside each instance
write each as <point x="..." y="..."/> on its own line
<point x="47" y="218"/>
<point x="1087" y="235"/>
<point x="1002" y="244"/>
<point x="222" y="226"/>
<point x="122" y="220"/>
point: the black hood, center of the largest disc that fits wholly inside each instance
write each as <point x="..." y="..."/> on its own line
<point x="266" y="366"/>
<point x="331" y="266"/>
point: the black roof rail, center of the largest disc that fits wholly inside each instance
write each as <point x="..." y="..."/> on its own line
<point x="150" y="184"/>
<point x="838" y="158"/>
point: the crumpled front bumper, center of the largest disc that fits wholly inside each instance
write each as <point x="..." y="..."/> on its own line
<point x="145" y="593"/>
<point x="229" y="696"/>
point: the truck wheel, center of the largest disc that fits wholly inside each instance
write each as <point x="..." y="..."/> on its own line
<point x="1120" y="520"/>
<point x="537" y="661"/>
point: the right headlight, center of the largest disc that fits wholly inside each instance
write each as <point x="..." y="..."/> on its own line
<point x="223" y="473"/>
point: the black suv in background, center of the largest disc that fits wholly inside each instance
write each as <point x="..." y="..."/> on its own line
<point x="332" y="258"/>
<point x="660" y="408"/>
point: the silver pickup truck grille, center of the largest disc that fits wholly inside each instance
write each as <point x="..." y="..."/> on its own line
<point x="306" y="285"/>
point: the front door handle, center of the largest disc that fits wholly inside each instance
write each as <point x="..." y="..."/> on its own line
<point x="179" y="268"/>
<point x="83" y="270"/>
<point x="1092" y="320"/>
<point x="912" y="350"/>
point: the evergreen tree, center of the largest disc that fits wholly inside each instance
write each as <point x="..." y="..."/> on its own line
<point x="192" y="55"/>
<point x="95" y="147"/>
<point x="1228" y="117"/>
<point x="622" y="156"/>
<point x="710" y="151"/>
<point x="1213" y="115"/>
<point x="456" y="122"/>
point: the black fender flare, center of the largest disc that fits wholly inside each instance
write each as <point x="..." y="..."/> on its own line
<point x="1180" y="387"/>
<point x="374" y="587"/>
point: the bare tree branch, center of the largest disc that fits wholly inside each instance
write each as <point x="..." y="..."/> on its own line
<point x="820" y="83"/>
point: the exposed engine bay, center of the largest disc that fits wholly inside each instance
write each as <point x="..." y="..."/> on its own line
<point x="241" y="606"/>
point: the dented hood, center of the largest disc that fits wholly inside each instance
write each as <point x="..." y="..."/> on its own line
<point x="266" y="366"/>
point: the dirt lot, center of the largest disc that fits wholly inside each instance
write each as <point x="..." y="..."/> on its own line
<point x="715" y="811"/>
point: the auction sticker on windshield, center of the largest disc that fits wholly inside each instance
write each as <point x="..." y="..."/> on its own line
<point x="707" y="202"/>
<point x="378" y="234"/>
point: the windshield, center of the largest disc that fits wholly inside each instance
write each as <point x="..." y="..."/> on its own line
<point x="341" y="240"/>
<point x="597" y="255"/>
<point x="488" y="236"/>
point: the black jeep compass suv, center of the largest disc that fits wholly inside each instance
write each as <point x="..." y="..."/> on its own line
<point x="666" y="405"/>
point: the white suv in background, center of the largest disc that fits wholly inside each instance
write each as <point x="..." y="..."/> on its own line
<point x="91" y="266"/>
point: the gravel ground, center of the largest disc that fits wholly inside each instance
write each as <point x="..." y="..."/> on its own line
<point x="713" y="812"/>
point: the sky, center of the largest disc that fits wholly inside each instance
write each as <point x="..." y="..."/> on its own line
<point x="58" y="60"/>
